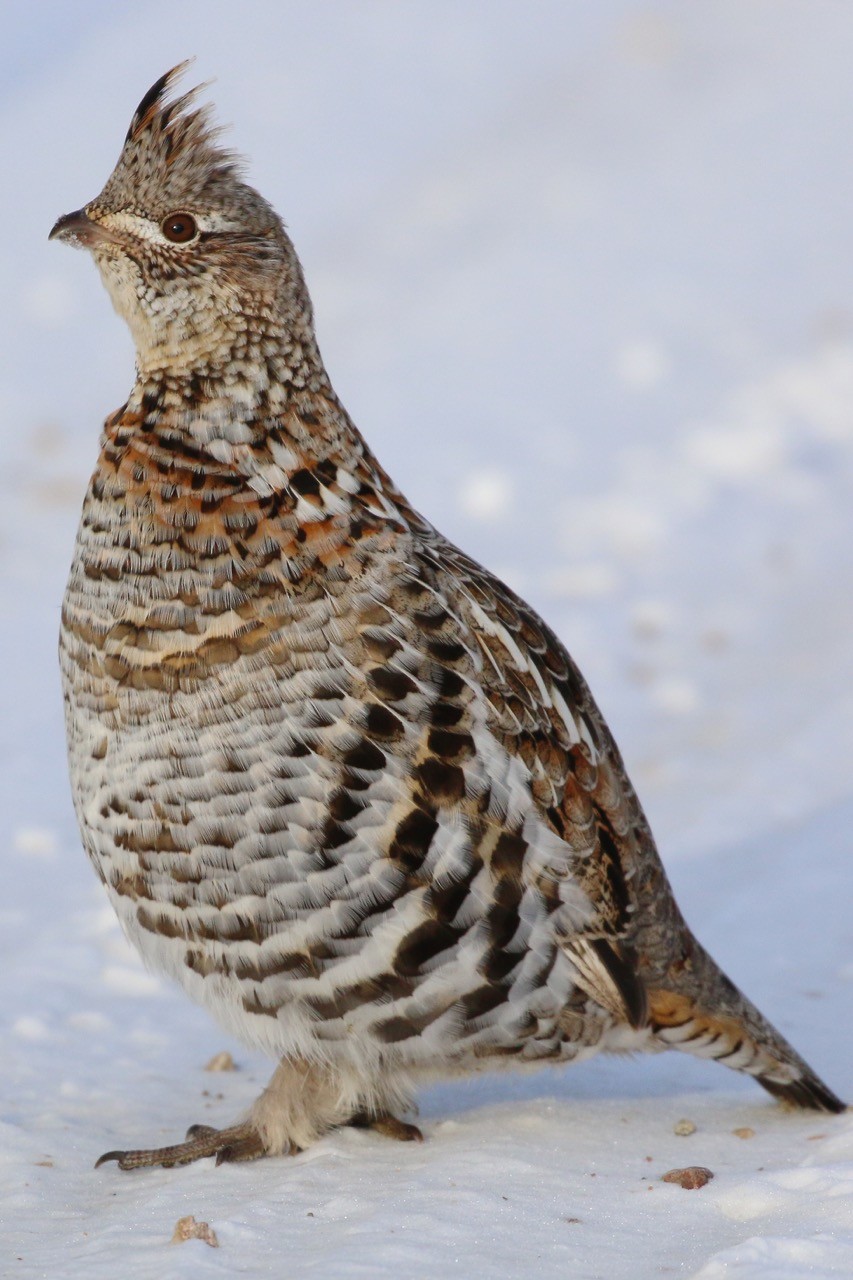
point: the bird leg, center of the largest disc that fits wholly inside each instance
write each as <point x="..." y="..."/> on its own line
<point x="302" y="1101"/>
<point x="239" y="1142"/>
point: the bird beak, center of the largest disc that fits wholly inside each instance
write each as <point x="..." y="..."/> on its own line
<point x="77" y="229"/>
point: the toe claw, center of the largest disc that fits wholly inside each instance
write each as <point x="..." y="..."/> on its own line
<point x="110" y="1155"/>
<point x="389" y="1126"/>
<point x="249" y="1147"/>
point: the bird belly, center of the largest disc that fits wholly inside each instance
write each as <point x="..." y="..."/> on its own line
<point x="204" y="818"/>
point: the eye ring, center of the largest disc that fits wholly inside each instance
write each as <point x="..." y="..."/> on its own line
<point x="179" y="228"/>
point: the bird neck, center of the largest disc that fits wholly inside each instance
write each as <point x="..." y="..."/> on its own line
<point x="258" y="410"/>
<point x="240" y="362"/>
<point x="229" y="383"/>
<point x="181" y="470"/>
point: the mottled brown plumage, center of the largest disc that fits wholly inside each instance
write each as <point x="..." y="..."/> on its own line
<point x="338" y="780"/>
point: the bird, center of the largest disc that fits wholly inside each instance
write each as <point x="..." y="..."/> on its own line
<point x="338" y="780"/>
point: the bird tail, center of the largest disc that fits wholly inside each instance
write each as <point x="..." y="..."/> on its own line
<point x="698" y="1010"/>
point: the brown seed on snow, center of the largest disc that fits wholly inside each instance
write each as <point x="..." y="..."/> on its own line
<point x="745" y="1132"/>
<point x="691" y="1178"/>
<point x="188" y="1229"/>
<point x="684" y="1128"/>
<point x="221" y="1062"/>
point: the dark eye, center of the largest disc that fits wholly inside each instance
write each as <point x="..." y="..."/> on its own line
<point x="179" y="227"/>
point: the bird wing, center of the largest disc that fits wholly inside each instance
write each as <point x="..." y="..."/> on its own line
<point x="517" y="750"/>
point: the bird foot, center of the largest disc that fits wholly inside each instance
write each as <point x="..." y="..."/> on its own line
<point x="237" y="1143"/>
<point x="241" y="1142"/>
<point x="389" y="1126"/>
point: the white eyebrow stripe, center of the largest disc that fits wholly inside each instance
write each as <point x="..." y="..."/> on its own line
<point x="146" y="229"/>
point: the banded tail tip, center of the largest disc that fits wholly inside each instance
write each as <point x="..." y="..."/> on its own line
<point x="809" y="1093"/>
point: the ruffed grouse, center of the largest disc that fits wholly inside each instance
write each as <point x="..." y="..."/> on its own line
<point x="337" y="779"/>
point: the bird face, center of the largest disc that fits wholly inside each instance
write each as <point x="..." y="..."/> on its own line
<point x="189" y="253"/>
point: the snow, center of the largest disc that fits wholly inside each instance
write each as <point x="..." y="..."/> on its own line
<point x="583" y="275"/>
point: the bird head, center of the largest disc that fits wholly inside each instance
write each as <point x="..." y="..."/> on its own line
<point x="195" y="261"/>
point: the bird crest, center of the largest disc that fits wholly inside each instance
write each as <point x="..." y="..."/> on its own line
<point x="171" y="154"/>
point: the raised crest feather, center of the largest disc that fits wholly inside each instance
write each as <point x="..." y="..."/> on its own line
<point x="171" y="150"/>
<point x="154" y="97"/>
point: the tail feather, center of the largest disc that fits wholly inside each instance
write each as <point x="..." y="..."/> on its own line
<point x="709" y="1017"/>
<point x="809" y="1092"/>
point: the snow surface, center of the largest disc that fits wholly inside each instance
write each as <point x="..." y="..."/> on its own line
<point x="583" y="275"/>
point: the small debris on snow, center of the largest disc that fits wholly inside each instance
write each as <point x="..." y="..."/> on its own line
<point x="691" y="1178"/>
<point x="221" y="1062"/>
<point x="745" y="1132"/>
<point x="188" y="1229"/>
<point x="684" y="1128"/>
